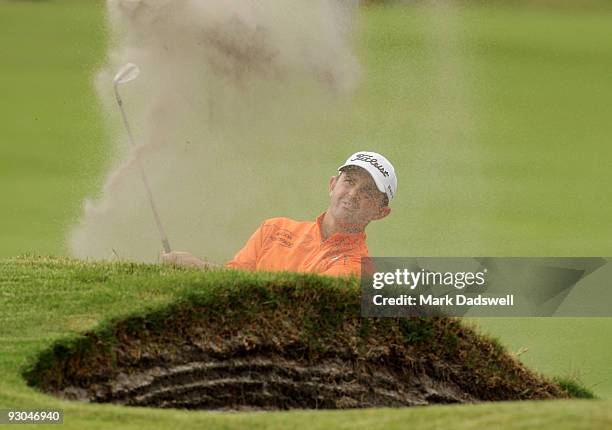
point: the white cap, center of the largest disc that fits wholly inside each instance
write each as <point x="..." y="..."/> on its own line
<point x="378" y="167"/>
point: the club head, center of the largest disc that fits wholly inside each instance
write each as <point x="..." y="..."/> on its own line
<point x="127" y="73"/>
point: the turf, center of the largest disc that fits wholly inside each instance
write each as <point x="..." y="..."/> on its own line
<point x="304" y="342"/>
<point x="513" y="161"/>
<point x="49" y="299"/>
<point x="52" y="131"/>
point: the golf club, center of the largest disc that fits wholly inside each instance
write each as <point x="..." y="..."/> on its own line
<point x="128" y="73"/>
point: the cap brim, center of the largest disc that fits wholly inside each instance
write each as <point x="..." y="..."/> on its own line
<point x="379" y="184"/>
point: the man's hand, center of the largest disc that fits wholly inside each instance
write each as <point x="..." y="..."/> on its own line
<point x="185" y="259"/>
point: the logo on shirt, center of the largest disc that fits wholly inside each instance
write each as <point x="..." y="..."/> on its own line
<point x="284" y="238"/>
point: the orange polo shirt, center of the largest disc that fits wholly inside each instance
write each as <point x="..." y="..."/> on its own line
<point x="281" y="244"/>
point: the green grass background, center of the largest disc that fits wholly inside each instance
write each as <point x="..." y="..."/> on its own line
<point x="498" y="119"/>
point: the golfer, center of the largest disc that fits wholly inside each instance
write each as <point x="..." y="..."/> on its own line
<point x="335" y="242"/>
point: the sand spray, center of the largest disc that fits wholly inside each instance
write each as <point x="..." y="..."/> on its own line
<point x="220" y="115"/>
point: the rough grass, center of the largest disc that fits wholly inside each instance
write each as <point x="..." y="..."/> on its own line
<point x="575" y="388"/>
<point x="45" y="300"/>
<point x="289" y="323"/>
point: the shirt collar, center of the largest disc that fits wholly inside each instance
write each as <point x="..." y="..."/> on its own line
<point x="336" y="237"/>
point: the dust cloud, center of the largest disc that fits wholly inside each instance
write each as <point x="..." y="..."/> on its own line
<point x="223" y="114"/>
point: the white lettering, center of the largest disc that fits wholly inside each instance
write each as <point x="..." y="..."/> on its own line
<point x="376" y="280"/>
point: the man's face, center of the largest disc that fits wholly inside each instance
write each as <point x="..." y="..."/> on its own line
<point x="355" y="200"/>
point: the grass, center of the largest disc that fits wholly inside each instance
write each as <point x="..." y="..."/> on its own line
<point x="281" y="317"/>
<point x="52" y="128"/>
<point x="50" y="299"/>
<point x="575" y="388"/>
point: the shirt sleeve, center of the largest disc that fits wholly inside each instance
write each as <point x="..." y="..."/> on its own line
<point x="250" y="253"/>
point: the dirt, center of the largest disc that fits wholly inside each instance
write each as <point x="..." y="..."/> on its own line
<point x="268" y="383"/>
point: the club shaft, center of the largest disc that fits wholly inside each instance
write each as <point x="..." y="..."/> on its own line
<point x="164" y="238"/>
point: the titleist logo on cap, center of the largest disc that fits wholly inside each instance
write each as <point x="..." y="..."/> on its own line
<point x="373" y="161"/>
